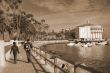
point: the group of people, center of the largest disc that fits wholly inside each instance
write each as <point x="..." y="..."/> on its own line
<point x="15" y="50"/>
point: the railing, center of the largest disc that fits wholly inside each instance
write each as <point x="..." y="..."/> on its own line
<point x="37" y="52"/>
<point x="76" y="68"/>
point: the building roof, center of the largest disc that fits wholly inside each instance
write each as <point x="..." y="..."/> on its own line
<point x="85" y="25"/>
<point x="88" y="24"/>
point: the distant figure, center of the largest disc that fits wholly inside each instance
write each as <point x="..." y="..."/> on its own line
<point x="64" y="67"/>
<point x="15" y="50"/>
<point x="28" y="46"/>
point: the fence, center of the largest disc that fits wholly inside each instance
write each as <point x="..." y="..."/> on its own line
<point x="56" y="65"/>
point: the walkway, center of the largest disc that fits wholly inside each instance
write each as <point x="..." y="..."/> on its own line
<point x="22" y="66"/>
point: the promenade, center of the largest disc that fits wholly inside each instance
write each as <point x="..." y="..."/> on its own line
<point x="36" y="66"/>
<point x="22" y="66"/>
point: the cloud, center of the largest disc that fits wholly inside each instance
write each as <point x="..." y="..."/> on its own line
<point x="54" y="5"/>
<point x="68" y="5"/>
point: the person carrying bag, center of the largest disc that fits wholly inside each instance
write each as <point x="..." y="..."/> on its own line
<point x="28" y="46"/>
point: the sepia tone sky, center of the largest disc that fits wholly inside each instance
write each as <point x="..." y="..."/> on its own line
<point x="70" y="13"/>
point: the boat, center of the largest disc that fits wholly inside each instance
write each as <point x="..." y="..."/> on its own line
<point x="71" y="44"/>
<point x="84" y="45"/>
<point x="102" y="43"/>
<point x="87" y="45"/>
<point x="79" y="44"/>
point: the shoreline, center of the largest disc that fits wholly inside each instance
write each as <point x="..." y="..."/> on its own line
<point x="39" y="44"/>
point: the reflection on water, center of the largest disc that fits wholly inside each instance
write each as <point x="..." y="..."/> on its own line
<point x="95" y="52"/>
<point x="97" y="57"/>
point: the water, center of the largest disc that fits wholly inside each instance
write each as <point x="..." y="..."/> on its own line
<point x="96" y="57"/>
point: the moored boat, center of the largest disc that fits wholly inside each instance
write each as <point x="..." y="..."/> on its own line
<point x="102" y="43"/>
<point x="71" y="44"/>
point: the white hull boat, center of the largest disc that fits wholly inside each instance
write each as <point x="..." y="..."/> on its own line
<point x="102" y="43"/>
<point x="70" y="44"/>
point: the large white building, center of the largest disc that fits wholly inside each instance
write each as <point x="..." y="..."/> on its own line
<point x="89" y="32"/>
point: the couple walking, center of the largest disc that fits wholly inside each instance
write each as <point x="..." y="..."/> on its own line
<point x="27" y="46"/>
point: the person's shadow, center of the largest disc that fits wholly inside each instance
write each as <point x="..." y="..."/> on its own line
<point x="11" y="61"/>
<point x="21" y="61"/>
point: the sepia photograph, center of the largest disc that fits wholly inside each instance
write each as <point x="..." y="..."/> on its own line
<point x="54" y="36"/>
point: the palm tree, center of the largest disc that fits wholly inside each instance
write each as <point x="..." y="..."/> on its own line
<point x="27" y="26"/>
<point x="14" y="6"/>
<point x="44" y="28"/>
<point x="22" y="23"/>
<point x="3" y="26"/>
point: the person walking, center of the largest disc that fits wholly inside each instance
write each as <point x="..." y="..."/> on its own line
<point x="28" y="46"/>
<point x="15" y="50"/>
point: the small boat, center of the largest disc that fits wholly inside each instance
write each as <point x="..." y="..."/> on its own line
<point x="70" y="44"/>
<point x="84" y="45"/>
<point x="87" y="45"/>
<point x="102" y="43"/>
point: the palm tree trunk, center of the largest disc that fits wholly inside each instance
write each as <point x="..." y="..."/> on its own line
<point x="3" y="31"/>
<point x="3" y="36"/>
<point x="19" y="20"/>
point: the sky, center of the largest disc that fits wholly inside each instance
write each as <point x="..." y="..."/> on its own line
<point x="68" y="14"/>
